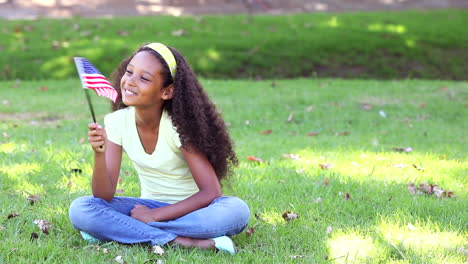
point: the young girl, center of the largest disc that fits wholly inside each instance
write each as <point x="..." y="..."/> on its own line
<point x="179" y="145"/>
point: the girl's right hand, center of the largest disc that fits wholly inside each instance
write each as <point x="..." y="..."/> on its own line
<point x="97" y="137"/>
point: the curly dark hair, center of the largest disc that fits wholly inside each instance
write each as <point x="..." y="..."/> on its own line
<point x="193" y="114"/>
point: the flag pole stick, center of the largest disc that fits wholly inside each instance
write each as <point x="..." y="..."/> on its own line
<point x="90" y="104"/>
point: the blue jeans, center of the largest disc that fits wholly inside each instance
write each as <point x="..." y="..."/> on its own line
<point x="108" y="221"/>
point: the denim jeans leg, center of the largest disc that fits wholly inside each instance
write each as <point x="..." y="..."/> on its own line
<point x="111" y="221"/>
<point x="226" y="215"/>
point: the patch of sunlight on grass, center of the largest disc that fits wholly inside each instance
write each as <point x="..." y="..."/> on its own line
<point x="18" y="172"/>
<point x="68" y="160"/>
<point x="91" y="53"/>
<point x="272" y="218"/>
<point x="392" y="28"/>
<point x="203" y="63"/>
<point x="26" y="188"/>
<point x="75" y="183"/>
<point x="422" y="238"/>
<point x="19" y="169"/>
<point x="399" y="261"/>
<point x="59" y="67"/>
<point x="352" y="248"/>
<point x="213" y="54"/>
<point x="332" y="22"/>
<point x="410" y="43"/>
<point x="8" y="147"/>
<point x="391" y="167"/>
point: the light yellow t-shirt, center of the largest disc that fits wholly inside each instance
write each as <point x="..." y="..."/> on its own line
<point x="164" y="174"/>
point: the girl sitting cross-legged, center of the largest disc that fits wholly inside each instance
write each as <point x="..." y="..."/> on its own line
<point x="180" y="147"/>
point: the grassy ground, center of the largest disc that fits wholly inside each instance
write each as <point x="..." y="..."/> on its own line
<point x="381" y="222"/>
<point x="383" y="45"/>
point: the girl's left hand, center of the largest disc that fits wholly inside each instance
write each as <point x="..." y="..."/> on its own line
<point x="142" y="213"/>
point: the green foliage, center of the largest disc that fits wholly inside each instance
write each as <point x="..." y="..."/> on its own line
<point x="382" y="222"/>
<point x="388" y="45"/>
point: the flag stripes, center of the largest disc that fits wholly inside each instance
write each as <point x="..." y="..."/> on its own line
<point x="92" y="79"/>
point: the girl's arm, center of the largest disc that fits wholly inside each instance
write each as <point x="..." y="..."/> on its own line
<point x="208" y="185"/>
<point x="107" y="162"/>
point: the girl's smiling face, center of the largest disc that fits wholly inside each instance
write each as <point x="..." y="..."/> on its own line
<point x="142" y="83"/>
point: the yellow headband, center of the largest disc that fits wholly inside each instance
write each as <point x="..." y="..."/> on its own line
<point x="167" y="55"/>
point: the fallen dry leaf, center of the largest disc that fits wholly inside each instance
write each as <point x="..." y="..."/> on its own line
<point x="33" y="198"/>
<point x="259" y="216"/>
<point x="439" y="193"/>
<point x="313" y="134"/>
<point x="123" y="33"/>
<point x="430" y="189"/>
<point x="426" y="188"/>
<point x="44" y="88"/>
<point x="44" y="225"/>
<point x="310" y="108"/>
<point x="366" y="106"/>
<point x="412" y="188"/>
<point x="255" y="159"/>
<point x="34" y="236"/>
<point x="347" y="196"/>
<point x="325" y="166"/>
<point x="119" y="259"/>
<point x="250" y="231"/>
<point x="301" y="170"/>
<point x="290" y="117"/>
<point x="291" y="156"/>
<point x="281" y="181"/>
<point x="266" y="132"/>
<point x="421" y="105"/>
<point x="69" y="184"/>
<point x="407" y="150"/>
<point x="288" y="216"/>
<point x="344" y="133"/>
<point x="418" y="167"/>
<point x="326" y="181"/>
<point x="11" y="215"/>
<point x="157" y="250"/>
<point x="179" y="33"/>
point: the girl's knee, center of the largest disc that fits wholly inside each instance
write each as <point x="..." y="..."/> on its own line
<point x="238" y="208"/>
<point x="81" y="209"/>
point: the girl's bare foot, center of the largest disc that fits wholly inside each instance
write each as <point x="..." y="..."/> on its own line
<point x="188" y="242"/>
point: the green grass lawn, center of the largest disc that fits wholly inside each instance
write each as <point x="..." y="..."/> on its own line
<point x="359" y="123"/>
<point x="430" y="44"/>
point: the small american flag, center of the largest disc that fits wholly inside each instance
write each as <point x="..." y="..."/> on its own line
<point x="91" y="78"/>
